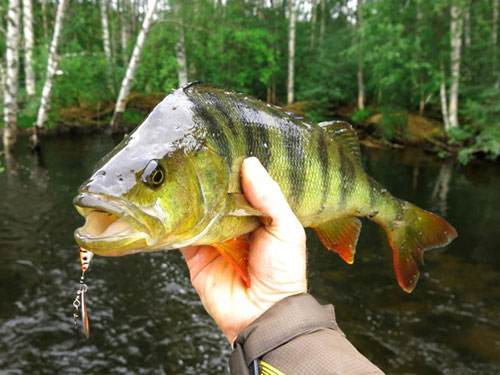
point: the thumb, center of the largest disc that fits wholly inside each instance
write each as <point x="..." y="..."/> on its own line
<point x="265" y="195"/>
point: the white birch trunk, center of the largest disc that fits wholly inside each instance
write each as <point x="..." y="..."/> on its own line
<point x="291" y="51"/>
<point x="494" y="39"/>
<point x="52" y="62"/>
<point x="44" y="18"/>
<point x="12" y="69"/>
<point x="361" y="85"/>
<point x="494" y="28"/>
<point x="418" y="43"/>
<point x="105" y="31"/>
<point x="121" y="102"/>
<point x="444" y="104"/>
<point x="179" y="48"/>
<point x="106" y="42"/>
<point x="313" y="21"/>
<point x="28" y="47"/>
<point x="125" y="30"/>
<point x="467" y="38"/>
<point x="322" y="26"/>
<point x="2" y="79"/>
<point x="456" y="43"/>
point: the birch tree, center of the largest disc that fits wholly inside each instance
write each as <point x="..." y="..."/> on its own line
<point x="11" y="81"/>
<point x="444" y="102"/>
<point x="52" y="62"/>
<point x="2" y="79"/>
<point x="418" y="45"/>
<point x="44" y="18"/>
<point x="322" y="26"/>
<point x="494" y="40"/>
<point x="179" y="47"/>
<point x="28" y="47"/>
<point x="361" y="85"/>
<point x="291" y="51"/>
<point x="313" y="21"/>
<point x="124" y="30"/>
<point x="106" y="42"/>
<point x="467" y="26"/>
<point x="121" y="102"/>
<point x="494" y="32"/>
<point x="456" y="43"/>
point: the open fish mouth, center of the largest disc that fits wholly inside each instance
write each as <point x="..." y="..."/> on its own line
<point x="113" y="227"/>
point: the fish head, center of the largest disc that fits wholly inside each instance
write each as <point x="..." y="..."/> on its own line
<point x="145" y="192"/>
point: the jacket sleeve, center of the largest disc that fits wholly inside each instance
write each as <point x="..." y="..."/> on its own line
<point x="297" y="336"/>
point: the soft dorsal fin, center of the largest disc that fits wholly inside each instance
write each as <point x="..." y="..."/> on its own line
<point x="343" y="133"/>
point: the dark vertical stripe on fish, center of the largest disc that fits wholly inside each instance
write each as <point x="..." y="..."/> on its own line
<point x="325" y="168"/>
<point x="249" y="139"/>
<point x="346" y="176"/>
<point x="264" y="151"/>
<point x="296" y="162"/>
<point x="229" y="121"/>
<point x="216" y="133"/>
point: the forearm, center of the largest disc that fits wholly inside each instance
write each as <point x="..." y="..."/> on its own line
<point x="298" y="336"/>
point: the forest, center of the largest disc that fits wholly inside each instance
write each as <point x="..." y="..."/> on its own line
<point x="404" y="72"/>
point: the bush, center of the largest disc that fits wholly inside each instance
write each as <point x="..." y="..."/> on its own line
<point x="394" y="122"/>
<point x="361" y="115"/>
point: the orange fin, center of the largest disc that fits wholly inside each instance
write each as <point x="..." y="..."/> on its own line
<point x="419" y="230"/>
<point x="341" y="236"/>
<point x="235" y="251"/>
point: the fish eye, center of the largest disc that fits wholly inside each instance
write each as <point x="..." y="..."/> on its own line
<point x="153" y="174"/>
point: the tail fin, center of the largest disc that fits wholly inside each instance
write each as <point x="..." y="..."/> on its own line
<point x="419" y="230"/>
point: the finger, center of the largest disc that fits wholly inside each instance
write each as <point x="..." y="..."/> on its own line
<point x="197" y="258"/>
<point x="264" y="194"/>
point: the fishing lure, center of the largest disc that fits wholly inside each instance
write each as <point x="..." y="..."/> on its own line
<point x="79" y="302"/>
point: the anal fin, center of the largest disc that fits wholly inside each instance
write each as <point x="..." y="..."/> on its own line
<point x="341" y="236"/>
<point x="235" y="252"/>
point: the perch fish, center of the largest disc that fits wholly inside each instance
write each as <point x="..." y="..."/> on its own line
<point x="175" y="181"/>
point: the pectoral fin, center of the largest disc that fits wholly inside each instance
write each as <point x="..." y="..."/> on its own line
<point x="237" y="205"/>
<point x="235" y="251"/>
<point x="341" y="236"/>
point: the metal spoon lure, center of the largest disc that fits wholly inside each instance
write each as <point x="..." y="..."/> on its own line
<point x="79" y="302"/>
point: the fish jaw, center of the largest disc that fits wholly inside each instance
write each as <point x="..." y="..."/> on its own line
<point x="114" y="227"/>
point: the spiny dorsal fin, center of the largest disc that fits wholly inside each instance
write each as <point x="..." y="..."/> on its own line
<point x="343" y="133"/>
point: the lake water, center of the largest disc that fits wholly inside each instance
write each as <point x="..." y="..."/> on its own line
<point x="146" y="319"/>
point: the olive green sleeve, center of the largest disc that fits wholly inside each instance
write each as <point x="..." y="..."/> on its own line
<point x="297" y="336"/>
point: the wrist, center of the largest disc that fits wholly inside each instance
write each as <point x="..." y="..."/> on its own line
<point x="259" y="308"/>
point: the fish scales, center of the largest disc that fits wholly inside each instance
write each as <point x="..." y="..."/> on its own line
<point x="270" y="136"/>
<point x="175" y="181"/>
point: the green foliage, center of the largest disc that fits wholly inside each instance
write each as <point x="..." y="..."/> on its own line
<point x="393" y="122"/>
<point x="361" y="115"/>
<point x="483" y="134"/>
<point x="403" y="48"/>
<point x="132" y="118"/>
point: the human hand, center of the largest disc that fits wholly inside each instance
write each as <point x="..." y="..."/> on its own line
<point x="276" y="260"/>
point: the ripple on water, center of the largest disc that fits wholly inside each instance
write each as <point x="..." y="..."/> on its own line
<point x="145" y="317"/>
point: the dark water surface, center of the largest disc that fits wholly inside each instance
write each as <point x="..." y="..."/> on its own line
<point x="146" y="319"/>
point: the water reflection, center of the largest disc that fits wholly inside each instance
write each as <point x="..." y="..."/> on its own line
<point x="145" y="318"/>
<point x="442" y="187"/>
